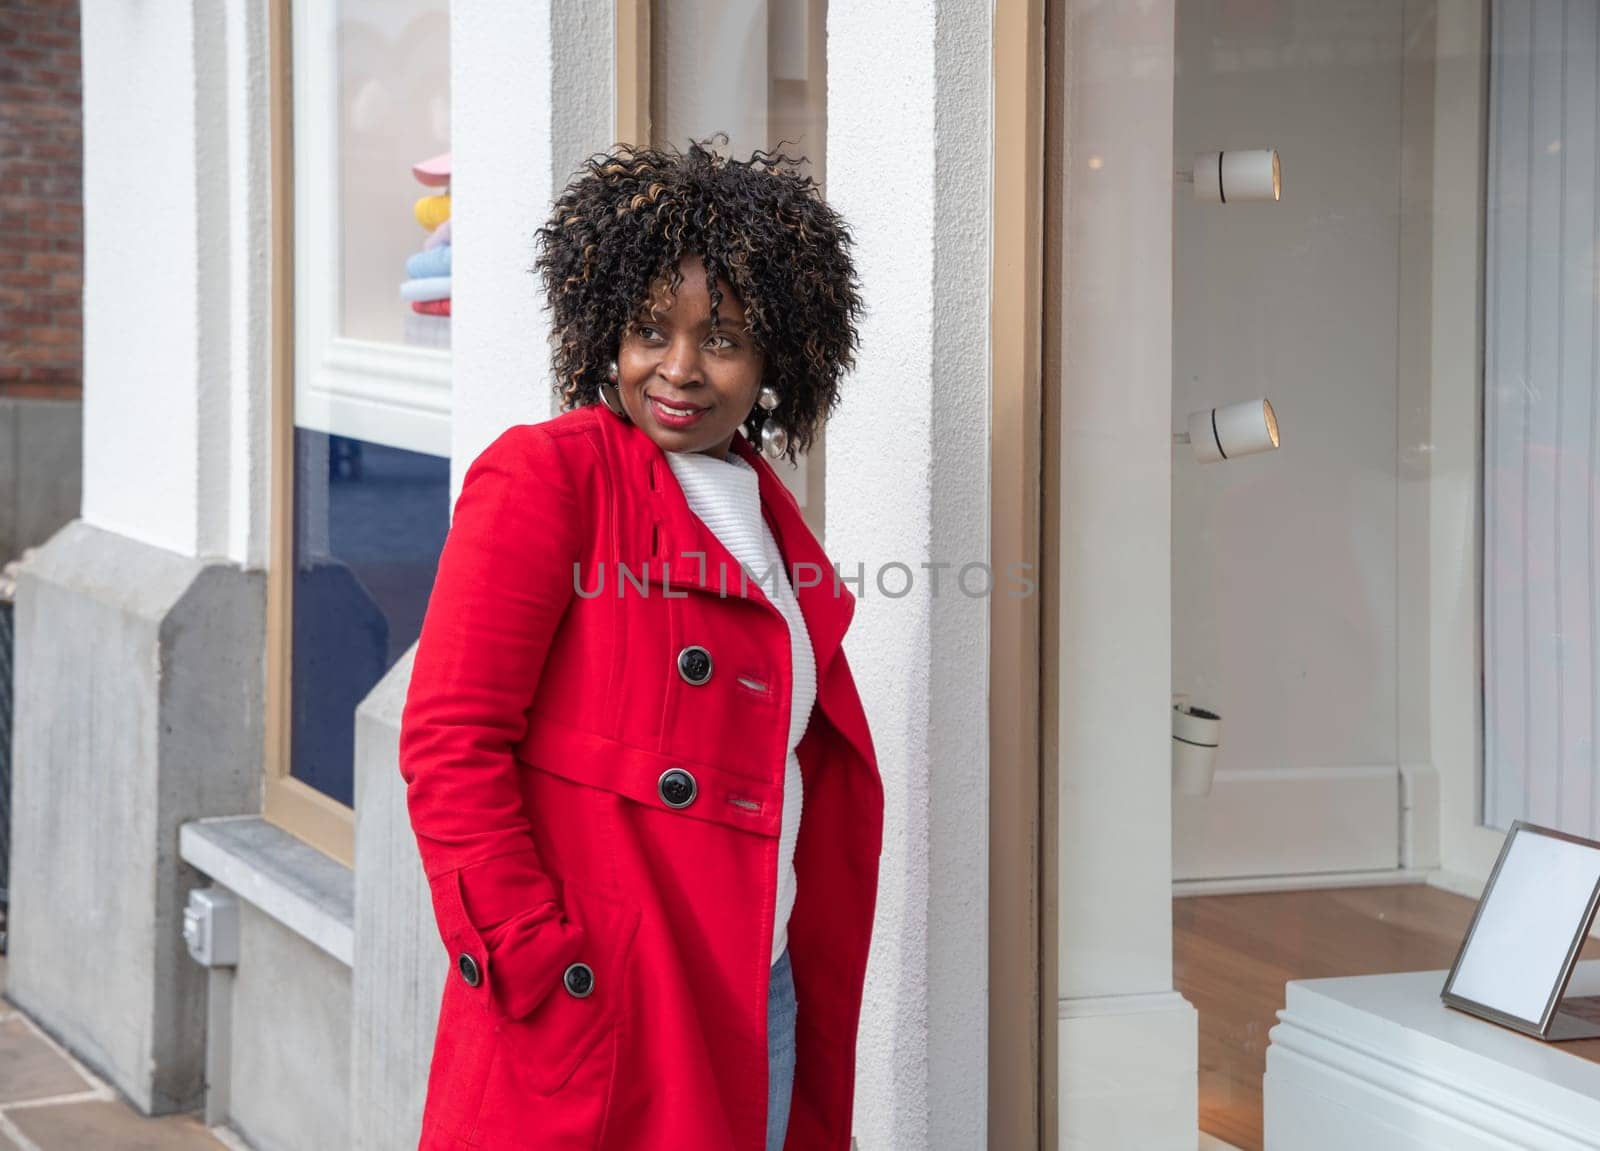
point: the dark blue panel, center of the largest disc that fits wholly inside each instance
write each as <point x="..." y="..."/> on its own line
<point x="369" y="522"/>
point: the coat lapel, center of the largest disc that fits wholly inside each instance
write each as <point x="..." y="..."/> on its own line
<point x="825" y="602"/>
<point x="682" y="553"/>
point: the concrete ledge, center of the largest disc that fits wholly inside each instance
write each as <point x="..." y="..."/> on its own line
<point x="286" y="879"/>
<point x="1379" y="1062"/>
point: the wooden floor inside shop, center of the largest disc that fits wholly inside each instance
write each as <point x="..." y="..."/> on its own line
<point x="1233" y="954"/>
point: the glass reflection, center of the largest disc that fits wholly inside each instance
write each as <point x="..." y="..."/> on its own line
<point x="370" y="522"/>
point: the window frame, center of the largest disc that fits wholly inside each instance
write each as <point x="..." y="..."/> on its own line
<point x="299" y="809"/>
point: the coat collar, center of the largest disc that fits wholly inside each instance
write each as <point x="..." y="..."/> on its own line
<point x="683" y="553"/>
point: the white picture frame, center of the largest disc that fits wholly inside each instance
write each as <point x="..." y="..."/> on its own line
<point x="1519" y="952"/>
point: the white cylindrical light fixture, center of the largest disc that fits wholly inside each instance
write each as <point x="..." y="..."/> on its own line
<point x="1196" y="734"/>
<point x="1236" y="430"/>
<point x="1245" y="177"/>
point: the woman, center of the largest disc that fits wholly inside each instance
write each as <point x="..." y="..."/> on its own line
<point x="630" y="685"/>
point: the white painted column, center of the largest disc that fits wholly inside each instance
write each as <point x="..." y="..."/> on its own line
<point x="240" y="522"/>
<point x="909" y="168"/>
<point x="175" y="286"/>
<point x="531" y="96"/>
<point x="1128" y="1041"/>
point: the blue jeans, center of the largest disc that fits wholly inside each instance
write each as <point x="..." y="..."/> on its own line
<point x="780" y="1051"/>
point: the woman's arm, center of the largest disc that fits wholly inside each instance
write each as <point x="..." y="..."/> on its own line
<point x="504" y="580"/>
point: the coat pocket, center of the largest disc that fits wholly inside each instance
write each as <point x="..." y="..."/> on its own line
<point x="545" y="1047"/>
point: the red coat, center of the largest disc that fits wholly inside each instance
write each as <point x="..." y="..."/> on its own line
<point x="600" y="832"/>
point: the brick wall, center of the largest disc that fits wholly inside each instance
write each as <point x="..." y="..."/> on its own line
<point x="41" y="200"/>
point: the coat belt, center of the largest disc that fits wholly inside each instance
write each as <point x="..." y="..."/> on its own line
<point x="594" y="760"/>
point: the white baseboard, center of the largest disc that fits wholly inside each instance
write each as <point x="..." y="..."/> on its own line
<point x="1257" y="884"/>
<point x="1300" y="821"/>
<point x="1129" y="1073"/>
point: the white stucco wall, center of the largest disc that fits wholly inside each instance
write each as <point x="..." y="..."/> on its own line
<point x="177" y="284"/>
<point x="240" y="526"/>
<point x="908" y="166"/>
<point x="171" y="147"/>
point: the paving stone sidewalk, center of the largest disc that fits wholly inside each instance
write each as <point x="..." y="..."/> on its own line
<point x="51" y="1102"/>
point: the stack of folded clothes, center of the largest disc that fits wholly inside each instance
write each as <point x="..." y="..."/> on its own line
<point x="427" y="286"/>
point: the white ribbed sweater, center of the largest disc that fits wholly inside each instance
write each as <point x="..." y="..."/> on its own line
<point x="726" y="495"/>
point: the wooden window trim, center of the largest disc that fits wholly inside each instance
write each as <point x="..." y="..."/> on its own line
<point x="632" y="113"/>
<point x="304" y="812"/>
<point x="1021" y="1060"/>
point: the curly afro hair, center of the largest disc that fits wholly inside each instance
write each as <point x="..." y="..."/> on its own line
<point x="628" y="218"/>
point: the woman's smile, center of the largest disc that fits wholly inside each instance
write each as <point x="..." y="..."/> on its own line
<point x="676" y="413"/>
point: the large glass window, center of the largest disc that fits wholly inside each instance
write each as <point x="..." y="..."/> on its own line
<point x="1420" y="293"/>
<point x="365" y="435"/>
<point x="757" y="70"/>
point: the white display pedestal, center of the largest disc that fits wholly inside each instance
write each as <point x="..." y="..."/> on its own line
<point x="1379" y="1063"/>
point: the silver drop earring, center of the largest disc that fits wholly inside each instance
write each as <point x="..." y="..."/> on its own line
<point x="774" y="436"/>
<point x="609" y="396"/>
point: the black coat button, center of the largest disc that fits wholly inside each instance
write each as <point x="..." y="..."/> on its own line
<point x="677" y="787"/>
<point x="469" y="969"/>
<point x="694" y="664"/>
<point x="579" y="981"/>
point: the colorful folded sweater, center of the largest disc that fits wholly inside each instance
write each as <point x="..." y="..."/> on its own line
<point x="429" y="262"/>
<point x="427" y="288"/>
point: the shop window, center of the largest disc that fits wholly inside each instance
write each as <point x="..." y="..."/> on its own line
<point x="362" y="431"/>
<point x="1393" y="614"/>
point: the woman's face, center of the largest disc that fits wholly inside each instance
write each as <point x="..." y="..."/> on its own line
<point x="689" y="386"/>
